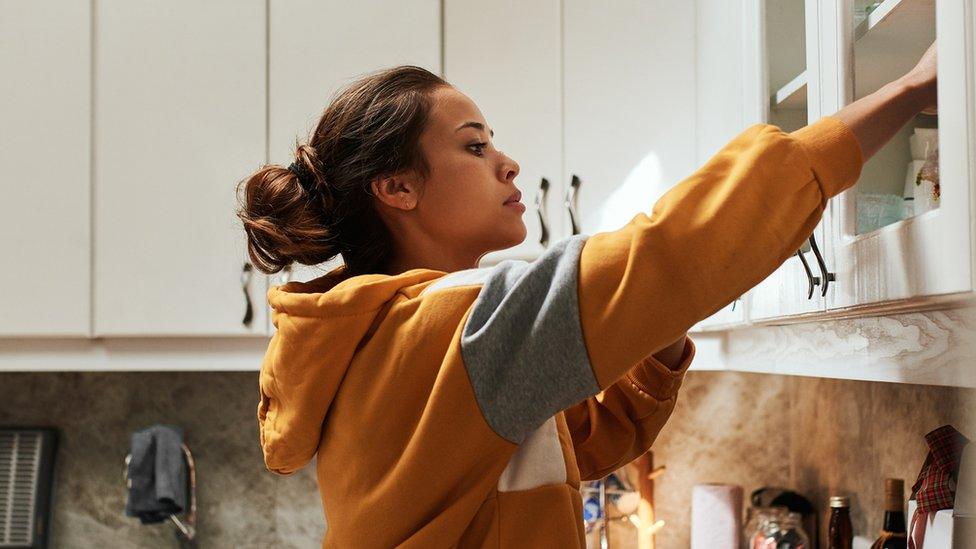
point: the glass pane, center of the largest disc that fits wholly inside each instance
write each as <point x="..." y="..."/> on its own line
<point x="901" y="180"/>
<point x="787" y="62"/>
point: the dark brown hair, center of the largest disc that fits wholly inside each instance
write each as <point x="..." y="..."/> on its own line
<point x="371" y="128"/>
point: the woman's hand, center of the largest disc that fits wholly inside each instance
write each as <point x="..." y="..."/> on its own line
<point x="924" y="77"/>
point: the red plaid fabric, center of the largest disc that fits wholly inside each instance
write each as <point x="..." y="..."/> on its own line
<point x="935" y="488"/>
<point x="936" y="485"/>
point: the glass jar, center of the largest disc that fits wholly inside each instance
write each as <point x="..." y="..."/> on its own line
<point x="776" y="528"/>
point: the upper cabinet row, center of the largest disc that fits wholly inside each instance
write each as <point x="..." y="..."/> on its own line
<point x="156" y="110"/>
<point x="128" y="125"/>
<point x="903" y="237"/>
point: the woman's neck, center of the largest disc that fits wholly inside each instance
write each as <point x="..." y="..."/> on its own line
<point x="437" y="262"/>
<point x="415" y="248"/>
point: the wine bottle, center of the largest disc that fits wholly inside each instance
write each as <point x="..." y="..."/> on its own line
<point x="840" y="535"/>
<point x="893" y="534"/>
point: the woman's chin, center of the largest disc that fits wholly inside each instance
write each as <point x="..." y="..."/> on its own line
<point x="507" y="237"/>
<point x="518" y="234"/>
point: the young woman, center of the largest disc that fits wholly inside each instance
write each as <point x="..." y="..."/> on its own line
<point x="455" y="406"/>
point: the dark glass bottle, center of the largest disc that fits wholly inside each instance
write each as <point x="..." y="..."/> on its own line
<point x="840" y="534"/>
<point x="893" y="532"/>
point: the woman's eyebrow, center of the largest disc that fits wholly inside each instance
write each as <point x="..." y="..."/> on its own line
<point x="476" y="125"/>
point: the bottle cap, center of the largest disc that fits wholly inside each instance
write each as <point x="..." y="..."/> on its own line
<point x="840" y="501"/>
<point x="894" y="492"/>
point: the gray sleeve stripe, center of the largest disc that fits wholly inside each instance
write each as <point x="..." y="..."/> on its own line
<point x="523" y="344"/>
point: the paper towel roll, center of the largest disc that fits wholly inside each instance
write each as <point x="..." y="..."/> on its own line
<point x="716" y="516"/>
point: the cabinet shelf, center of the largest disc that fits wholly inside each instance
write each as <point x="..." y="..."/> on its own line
<point x="793" y="95"/>
<point x="889" y="42"/>
<point x="897" y="18"/>
<point x="901" y="228"/>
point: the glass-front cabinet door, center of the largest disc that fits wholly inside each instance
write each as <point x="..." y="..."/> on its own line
<point x="786" y="96"/>
<point x="902" y="237"/>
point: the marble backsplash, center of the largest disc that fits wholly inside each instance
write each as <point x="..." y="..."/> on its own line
<point x="239" y="503"/>
<point x="818" y="436"/>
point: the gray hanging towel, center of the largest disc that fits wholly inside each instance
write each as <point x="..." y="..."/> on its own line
<point x="157" y="474"/>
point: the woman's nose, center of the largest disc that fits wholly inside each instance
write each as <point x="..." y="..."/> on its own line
<point x="509" y="168"/>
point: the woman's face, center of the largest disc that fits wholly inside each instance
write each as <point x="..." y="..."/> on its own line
<point x="469" y="197"/>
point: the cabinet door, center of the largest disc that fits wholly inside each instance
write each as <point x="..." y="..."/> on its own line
<point x="788" y="40"/>
<point x="179" y="120"/>
<point x="629" y="123"/>
<point x="885" y="258"/>
<point x="316" y="47"/>
<point x="506" y="57"/>
<point x="45" y="114"/>
<point x="721" y="55"/>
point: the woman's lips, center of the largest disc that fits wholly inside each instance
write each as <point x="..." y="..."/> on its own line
<point x="513" y="201"/>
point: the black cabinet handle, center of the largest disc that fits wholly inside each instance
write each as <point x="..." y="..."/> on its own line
<point x="570" y="202"/>
<point x="540" y="208"/>
<point x="246" y="274"/>
<point x="825" y="275"/>
<point x="811" y="280"/>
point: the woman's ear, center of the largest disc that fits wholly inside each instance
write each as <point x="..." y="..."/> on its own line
<point x="400" y="191"/>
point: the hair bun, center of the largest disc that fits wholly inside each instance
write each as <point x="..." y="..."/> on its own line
<point x="307" y="183"/>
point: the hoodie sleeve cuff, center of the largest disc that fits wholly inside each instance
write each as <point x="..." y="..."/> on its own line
<point x="834" y="154"/>
<point x="659" y="381"/>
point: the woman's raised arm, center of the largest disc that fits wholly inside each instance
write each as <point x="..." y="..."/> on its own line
<point x="543" y="336"/>
<point x="876" y="118"/>
<point x="729" y="225"/>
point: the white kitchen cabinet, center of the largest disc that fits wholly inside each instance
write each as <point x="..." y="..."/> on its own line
<point x="593" y="99"/>
<point x="180" y="102"/>
<point x="45" y="116"/>
<point x="506" y="57"/>
<point x="629" y="120"/>
<point x="315" y="48"/>
<point x="921" y="260"/>
<point x="878" y="321"/>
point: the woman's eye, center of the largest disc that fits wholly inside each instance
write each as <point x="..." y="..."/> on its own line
<point x="478" y="148"/>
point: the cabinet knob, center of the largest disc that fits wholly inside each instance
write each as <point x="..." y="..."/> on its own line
<point x="570" y="202"/>
<point x="246" y="275"/>
<point x="540" y="208"/>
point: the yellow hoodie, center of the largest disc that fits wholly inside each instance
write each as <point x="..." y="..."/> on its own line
<point x="463" y="409"/>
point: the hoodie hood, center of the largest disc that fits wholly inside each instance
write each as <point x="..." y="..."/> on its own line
<point x="320" y="326"/>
